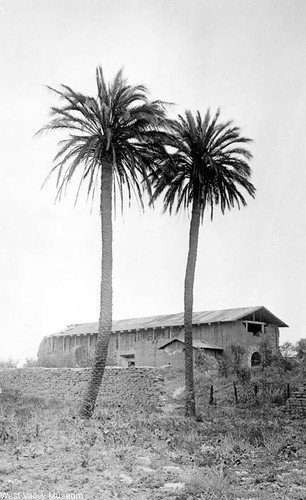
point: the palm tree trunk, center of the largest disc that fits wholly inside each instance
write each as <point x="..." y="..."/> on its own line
<point x="106" y="293"/>
<point x="188" y="307"/>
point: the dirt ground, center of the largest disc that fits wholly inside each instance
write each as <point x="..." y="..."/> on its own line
<point x="231" y="452"/>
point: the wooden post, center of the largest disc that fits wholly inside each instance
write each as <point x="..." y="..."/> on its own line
<point x="255" y="389"/>
<point x="211" y="398"/>
<point x="235" y="392"/>
<point x="288" y="390"/>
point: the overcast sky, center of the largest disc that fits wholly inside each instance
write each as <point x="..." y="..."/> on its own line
<point x="247" y="57"/>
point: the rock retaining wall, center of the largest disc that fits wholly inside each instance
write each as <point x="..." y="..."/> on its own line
<point x="133" y="387"/>
<point x="296" y="404"/>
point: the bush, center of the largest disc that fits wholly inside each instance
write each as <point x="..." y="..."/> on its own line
<point x="205" y="362"/>
<point x="278" y="396"/>
<point x="300" y="348"/>
<point x="31" y="363"/>
<point x="283" y="363"/>
<point x="266" y="353"/>
<point x="231" y="361"/>
<point x="244" y="375"/>
<point x="225" y="365"/>
<point x="237" y="353"/>
<point x="287" y="350"/>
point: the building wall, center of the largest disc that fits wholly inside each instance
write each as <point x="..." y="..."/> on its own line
<point x="142" y="347"/>
<point x="175" y="353"/>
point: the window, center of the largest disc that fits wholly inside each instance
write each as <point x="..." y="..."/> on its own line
<point x="254" y="327"/>
<point x="127" y="360"/>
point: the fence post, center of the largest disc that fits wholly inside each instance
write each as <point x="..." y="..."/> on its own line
<point x="235" y="392"/>
<point x="211" y="398"/>
<point x="288" y="390"/>
<point x="255" y="389"/>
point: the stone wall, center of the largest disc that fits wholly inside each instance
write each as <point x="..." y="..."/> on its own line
<point x="136" y="387"/>
<point x="296" y="404"/>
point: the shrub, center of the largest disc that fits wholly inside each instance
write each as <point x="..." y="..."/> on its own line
<point x="237" y="352"/>
<point x="31" y="363"/>
<point x="231" y="361"/>
<point x="300" y="348"/>
<point x="266" y="353"/>
<point x="244" y="375"/>
<point x="225" y="364"/>
<point x="283" y="363"/>
<point x="287" y="350"/>
<point x="278" y="396"/>
<point x="205" y="362"/>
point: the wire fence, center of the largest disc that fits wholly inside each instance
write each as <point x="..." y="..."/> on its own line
<point x="236" y="393"/>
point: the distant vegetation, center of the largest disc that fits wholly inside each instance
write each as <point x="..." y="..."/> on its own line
<point x="31" y="363"/>
<point x="9" y="363"/>
<point x="13" y="363"/>
<point x="290" y="350"/>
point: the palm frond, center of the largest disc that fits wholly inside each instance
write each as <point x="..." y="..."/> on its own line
<point x="121" y="126"/>
<point x="209" y="165"/>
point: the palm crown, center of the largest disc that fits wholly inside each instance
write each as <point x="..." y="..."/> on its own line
<point x="121" y="127"/>
<point x="208" y="165"/>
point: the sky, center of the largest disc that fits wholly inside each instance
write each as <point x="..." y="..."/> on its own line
<point x="247" y="57"/>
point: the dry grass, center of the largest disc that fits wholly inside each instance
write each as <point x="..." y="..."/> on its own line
<point x="232" y="453"/>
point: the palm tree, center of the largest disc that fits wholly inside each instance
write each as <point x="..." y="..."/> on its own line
<point x="208" y="167"/>
<point x="113" y="140"/>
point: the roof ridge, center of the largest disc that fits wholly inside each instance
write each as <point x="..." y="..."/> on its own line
<point x="174" y="320"/>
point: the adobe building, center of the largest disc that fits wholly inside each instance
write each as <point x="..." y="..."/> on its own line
<point x="159" y="340"/>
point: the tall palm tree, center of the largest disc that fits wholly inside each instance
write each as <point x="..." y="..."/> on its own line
<point x="112" y="141"/>
<point x="208" y="167"/>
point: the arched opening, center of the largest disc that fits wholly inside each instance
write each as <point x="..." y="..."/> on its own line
<point x="255" y="359"/>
